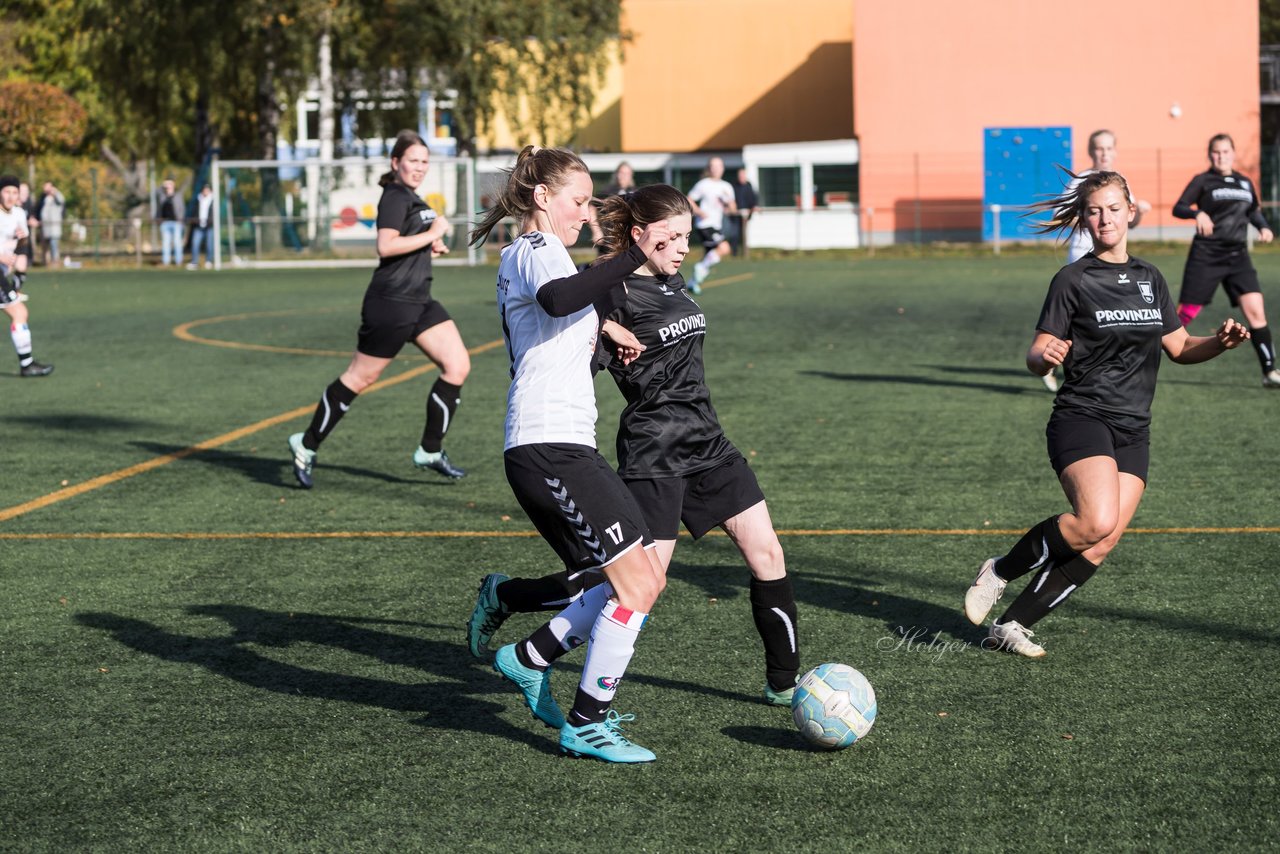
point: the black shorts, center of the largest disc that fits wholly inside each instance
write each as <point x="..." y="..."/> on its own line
<point x="1073" y="436"/>
<point x="1200" y="278"/>
<point x="578" y="504"/>
<point x="710" y="237"/>
<point x="703" y="500"/>
<point x="387" y="325"/>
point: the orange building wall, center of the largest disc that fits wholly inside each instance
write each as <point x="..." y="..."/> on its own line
<point x="931" y="74"/>
<point x="721" y="74"/>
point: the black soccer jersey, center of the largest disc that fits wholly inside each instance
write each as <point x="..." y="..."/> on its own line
<point x="1231" y="202"/>
<point x="404" y="278"/>
<point x="668" y="427"/>
<point x="1115" y="316"/>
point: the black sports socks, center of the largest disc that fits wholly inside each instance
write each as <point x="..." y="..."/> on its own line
<point x="773" y="608"/>
<point x="441" y="404"/>
<point x="334" y="403"/>
<point x="1049" y="589"/>
<point x="1040" y="548"/>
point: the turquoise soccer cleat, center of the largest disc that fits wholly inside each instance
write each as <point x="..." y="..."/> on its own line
<point x="535" y="684"/>
<point x="487" y="616"/>
<point x="603" y="740"/>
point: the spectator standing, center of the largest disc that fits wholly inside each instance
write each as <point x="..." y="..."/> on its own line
<point x="748" y="204"/>
<point x="202" y="228"/>
<point x="50" y="211"/>
<point x="169" y="213"/>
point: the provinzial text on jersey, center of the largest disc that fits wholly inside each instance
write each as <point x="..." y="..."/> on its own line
<point x="1143" y="316"/>
<point x="696" y="323"/>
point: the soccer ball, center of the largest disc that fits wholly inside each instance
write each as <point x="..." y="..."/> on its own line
<point x="833" y="706"/>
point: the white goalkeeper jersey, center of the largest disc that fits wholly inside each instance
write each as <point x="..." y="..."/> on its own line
<point x="552" y="396"/>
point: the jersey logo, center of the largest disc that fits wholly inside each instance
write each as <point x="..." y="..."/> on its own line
<point x="428" y="215"/>
<point x="1148" y="294"/>
<point x="1123" y="280"/>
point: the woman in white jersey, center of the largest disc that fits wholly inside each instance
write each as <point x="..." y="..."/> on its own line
<point x="1105" y="320"/>
<point x="14" y="237"/>
<point x="551" y="317"/>
<point x="711" y="198"/>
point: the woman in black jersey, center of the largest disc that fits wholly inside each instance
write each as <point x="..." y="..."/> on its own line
<point x="1105" y="320"/>
<point x="672" y="452"/>
<point x="397" y="309"/>
<point x="1224" y="204"/>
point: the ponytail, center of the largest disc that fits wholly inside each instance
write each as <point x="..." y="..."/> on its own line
<point x="534" y="165"/>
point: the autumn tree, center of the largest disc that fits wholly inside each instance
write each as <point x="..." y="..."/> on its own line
<point x="36" y="118"/>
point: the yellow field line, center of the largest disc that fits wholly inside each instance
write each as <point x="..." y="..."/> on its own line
<point x="728" y="280"/>
<point x="183" y="331"/>
<point x="217" y="441"/>
<point x="479" y="535"/>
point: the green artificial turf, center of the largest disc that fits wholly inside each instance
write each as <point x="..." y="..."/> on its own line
<point x="190" y="663"/>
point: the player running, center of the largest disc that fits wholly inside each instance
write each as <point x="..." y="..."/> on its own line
<point x="672" y="452"/>
<point x="712" y="197"/>
<point x="1102" y="151"/>
<point x="1225" y="205"/>
<point x="1105" y="320"/>
<point x="551" y="321"/>
<point x="14" y="237"/>
<point x="397" y="309"/>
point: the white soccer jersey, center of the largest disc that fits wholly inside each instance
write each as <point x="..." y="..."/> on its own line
<point x="12" y="222"/>
<point x="713" y="196"/>
<point x="552" y="396"/>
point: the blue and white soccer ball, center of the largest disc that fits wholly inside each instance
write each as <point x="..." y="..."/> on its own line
<point x="833" y="706"/>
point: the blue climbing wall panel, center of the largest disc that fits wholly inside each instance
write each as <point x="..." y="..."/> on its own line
<point x="1020" y="166"/>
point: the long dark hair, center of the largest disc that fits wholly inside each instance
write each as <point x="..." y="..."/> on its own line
<point x="646" y="205"/>
<point x="405" y="140"/>
<point x="550" y="167"/>
<point x="1066" y="212"/>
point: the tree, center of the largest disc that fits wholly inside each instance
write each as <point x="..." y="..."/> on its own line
<point x="549" y="56"/>
<point x="169" y="79"/>
<point x="36" y="118"/>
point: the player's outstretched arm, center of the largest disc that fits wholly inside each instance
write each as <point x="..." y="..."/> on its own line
<point x="1187" y="350"/>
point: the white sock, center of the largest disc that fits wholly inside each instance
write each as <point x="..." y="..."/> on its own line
<point x="712" y="259"/>
<point x="21" y="335"/>
<point x="573" y="625"/>
<point x="613" y="641"/>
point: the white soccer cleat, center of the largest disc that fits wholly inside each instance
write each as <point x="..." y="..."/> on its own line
<point x="1271" y="379"/>
<point x="984" y="594"/>
<point x="1012" y="637"/>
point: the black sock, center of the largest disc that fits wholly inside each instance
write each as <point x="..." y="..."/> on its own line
<point x="1261" y="338"/>
<point x="545" y="643"/>
<point x="1039" y="548"/>
<point x="548" y="593"/>
<point x="773" y="607"/>
<point x="333" y="405"/>
<point x="441" y="404"/>
<point x="1047" y="590"/>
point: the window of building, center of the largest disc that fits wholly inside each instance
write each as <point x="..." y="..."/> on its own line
<point x="835" y="185"/>
<point x="779" y="186"/>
